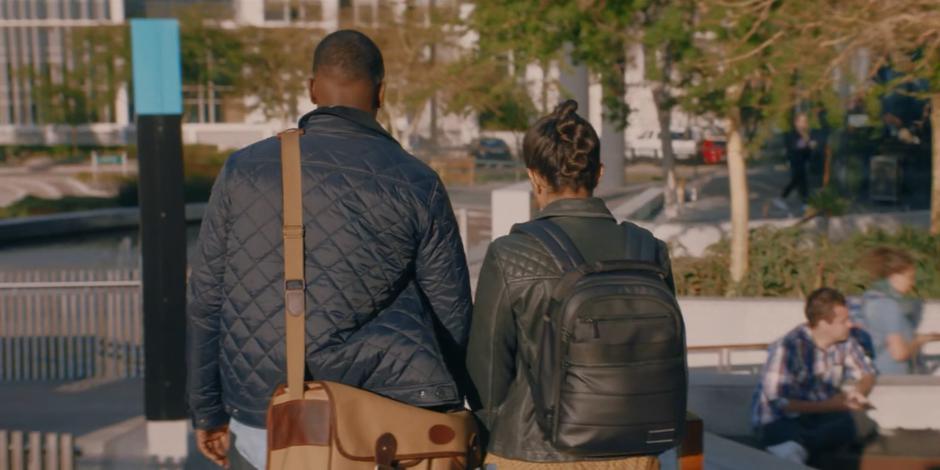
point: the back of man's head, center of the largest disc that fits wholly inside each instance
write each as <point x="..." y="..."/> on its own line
<point x="349" y="55"/>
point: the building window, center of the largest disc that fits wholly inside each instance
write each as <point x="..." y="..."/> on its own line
<point x="294" y="11"/>
<point x="200" y="105"/>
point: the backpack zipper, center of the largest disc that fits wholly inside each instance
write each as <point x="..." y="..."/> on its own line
<point x="596" y="327"/>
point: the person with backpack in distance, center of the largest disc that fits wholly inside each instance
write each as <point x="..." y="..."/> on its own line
<point x="577" y="345"/>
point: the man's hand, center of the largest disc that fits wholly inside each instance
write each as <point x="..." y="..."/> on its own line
<point x="848" y="401"/>
<point x="856" y="401"/>
<point x="213" y="443"/>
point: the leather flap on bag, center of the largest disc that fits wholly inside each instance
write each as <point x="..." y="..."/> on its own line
<point x="362" y="417"/>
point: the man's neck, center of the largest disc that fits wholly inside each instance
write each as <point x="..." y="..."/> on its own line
<point x="369" y="110"/>
<point x="820" y="339"/>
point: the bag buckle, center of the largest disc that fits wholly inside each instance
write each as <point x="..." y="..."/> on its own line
<point x="386" y="446"/>
<point x="294" y="296"/>
<point x="293" y="231"/>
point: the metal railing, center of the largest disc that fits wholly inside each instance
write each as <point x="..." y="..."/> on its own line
<point x="725" y="351"/>
<point x="35" y="451"/>
<point x="70" y="325"/>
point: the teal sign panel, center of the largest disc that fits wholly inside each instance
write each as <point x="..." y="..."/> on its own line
<point x="158" y="77"/>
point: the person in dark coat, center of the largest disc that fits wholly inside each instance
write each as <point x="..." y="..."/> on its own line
<point x="387" y="286"/>
<point x="803" y="147"/>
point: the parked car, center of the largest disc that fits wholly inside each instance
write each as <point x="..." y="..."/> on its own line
<point x="714" y="150"/>
<point x="490" y="151"/>
<point x="648" y="145"/>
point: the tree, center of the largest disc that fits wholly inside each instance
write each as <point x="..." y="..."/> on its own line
<point x="273" y="58"/>
<point x="754" y="69"/>
<point x="84" y="88"/>
<point x="262" y="63"/>
<point x="553" y="34"/>
<point x="599" y="35"/>
<point x="903" y="35"/>
<point x="419" y="44"/>
<point x="667" y="41"/>
<point x="211" y="56"/>
<point x="514" y="34"/>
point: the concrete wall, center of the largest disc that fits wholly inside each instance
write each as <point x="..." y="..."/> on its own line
<point x="711" y="322"/>
<point x="23" y="228"/>
<point x="223" y="135"/>
<point x="511" y="204"/>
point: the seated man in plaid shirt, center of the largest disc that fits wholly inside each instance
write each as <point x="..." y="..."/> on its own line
<point x="804" y="403"/>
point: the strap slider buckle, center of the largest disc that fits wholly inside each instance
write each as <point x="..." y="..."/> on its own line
<point x="294" y="296"/>
<point x="293" y="231"/>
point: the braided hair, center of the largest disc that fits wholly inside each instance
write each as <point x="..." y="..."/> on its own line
<point x="563" y="148"/>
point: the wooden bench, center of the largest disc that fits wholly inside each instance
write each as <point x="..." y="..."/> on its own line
<point x="902" y="449"/>
<point x="460" y="171"/>
<point x="692" y="448"/>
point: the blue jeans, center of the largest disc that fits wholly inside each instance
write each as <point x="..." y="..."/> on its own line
<point x="819" y="432"/>
<point x="237" y="461"/>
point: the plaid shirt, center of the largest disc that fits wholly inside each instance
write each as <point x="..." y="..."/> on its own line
<point x="797" y="370"/>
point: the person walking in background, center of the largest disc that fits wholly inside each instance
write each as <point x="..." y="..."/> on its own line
<point x="802" y="147"/>
<point x="891" y="314"/>
<point x="562" y="154"/>
<point x="387" y="287"/>
<point x="805" y="402"/>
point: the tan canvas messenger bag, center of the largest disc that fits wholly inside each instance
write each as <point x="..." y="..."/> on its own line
<point x="327" y="425"/>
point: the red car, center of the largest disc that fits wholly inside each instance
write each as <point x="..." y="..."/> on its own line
<point x="713" y="151"/>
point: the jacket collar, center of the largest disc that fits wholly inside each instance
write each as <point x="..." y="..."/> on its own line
<point x="356" y="116"/>
<point x="576" y="207"/>
<point x="886" y="288"/>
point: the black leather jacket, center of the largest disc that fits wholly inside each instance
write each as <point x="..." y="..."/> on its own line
<point x="388" y="294"/>
<point x="515" y="286"/>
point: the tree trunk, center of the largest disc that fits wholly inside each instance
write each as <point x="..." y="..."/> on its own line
<point x="935" y="164"/>
<point x="737" y="179"/>
<point x="664" y="116"/>
<point x="663" y="101"/>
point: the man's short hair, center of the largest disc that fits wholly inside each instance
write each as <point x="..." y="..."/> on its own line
<point x="821" y="305"/>
<point x="351" y="54"/>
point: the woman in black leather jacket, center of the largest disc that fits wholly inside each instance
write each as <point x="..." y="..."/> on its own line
<point x="562" y="154"/>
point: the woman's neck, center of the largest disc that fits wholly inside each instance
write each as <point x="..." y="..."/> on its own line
<point x="564" y="194"/>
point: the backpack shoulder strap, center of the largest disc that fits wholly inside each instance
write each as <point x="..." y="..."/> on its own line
<point x="641" y="244"/>
<point x="294" y="282"/>
<point x="554" y="240"/>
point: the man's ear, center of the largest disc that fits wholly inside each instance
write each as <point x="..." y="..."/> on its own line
<point x="312" y="89"/>
<point x="380" y="96"/>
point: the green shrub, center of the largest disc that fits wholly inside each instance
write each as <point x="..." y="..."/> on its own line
<point x="828" y="202"/>
<point x="792" y="262"/>
<point x="32" y="206"/>
<point x="195" y="189"/>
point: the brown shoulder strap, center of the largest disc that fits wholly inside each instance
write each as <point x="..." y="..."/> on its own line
<point x="294" y="282"/>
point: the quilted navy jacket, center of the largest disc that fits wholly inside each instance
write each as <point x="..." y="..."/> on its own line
<point x="388" y="293"/>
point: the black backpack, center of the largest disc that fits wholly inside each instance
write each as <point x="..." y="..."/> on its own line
<point x="610" y="378"/>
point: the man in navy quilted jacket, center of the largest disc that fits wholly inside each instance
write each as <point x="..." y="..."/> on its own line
<point x="388" y="293"/>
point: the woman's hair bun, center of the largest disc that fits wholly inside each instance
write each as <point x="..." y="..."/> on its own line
<point x="565" y="109"/>
<point x="564" y="148"/>
<point x="566" y="121"/>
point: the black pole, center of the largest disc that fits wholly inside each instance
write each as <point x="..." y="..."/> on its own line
<point x="163" y="246"/>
